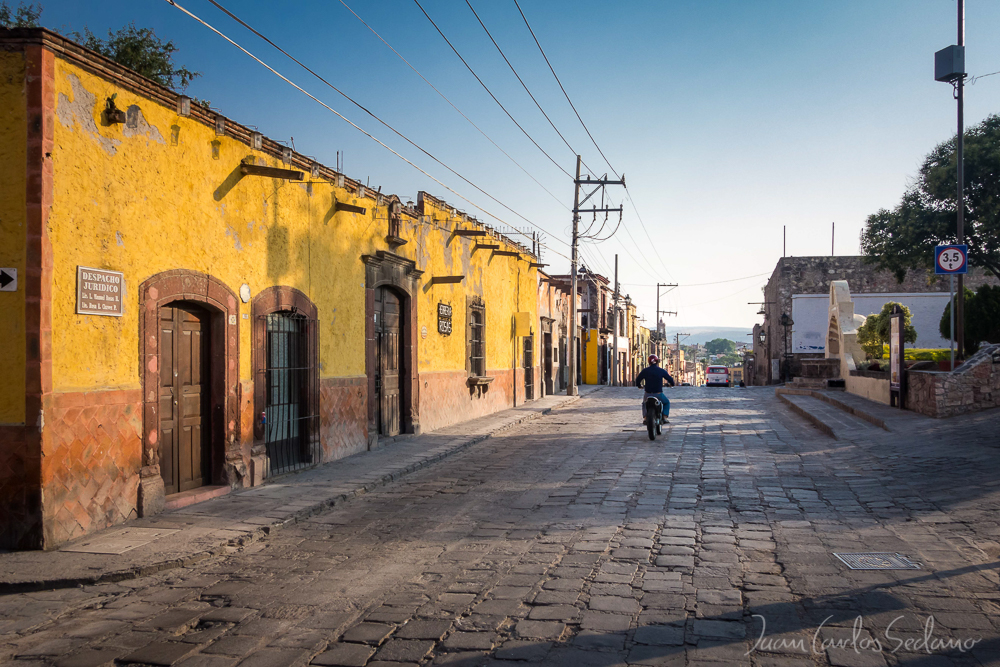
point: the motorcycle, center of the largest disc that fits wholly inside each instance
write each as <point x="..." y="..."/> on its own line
<point x="654" y="416"/>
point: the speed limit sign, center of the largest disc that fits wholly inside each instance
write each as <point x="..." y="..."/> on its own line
<point x="951" y="259"/>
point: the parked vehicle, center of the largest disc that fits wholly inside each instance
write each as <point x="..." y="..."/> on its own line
<point x="717" y="376"/>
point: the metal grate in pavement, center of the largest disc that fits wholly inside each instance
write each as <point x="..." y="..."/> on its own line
<point x="877" y="560"/>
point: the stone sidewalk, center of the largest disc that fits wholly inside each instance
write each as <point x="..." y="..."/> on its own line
<point x="845" y="416"/>
<point x="222" y="525"/>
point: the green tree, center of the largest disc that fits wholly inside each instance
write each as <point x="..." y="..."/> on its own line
<point x="24" y="16"/>
<point x="141" y="51"/>
<point x="982" y="317"/>
<point x="720" y="346"/>
<point x="874" y="333"/>
<point x="904" y="238"/>
<point x="727" y="360"/>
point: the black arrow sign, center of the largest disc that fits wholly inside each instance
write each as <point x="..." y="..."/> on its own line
<point x="5" y="278"/>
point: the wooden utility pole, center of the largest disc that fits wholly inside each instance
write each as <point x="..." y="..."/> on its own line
<point x="614" y="314"/>
<point x="577" y="182"/>
<point x="677" y="367"/>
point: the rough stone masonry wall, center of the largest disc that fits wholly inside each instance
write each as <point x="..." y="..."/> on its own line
<point x="813" y="275"/>
<point x="973" y="386"/>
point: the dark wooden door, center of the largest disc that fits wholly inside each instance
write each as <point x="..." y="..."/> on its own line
<point x="184" y="392"/>
<point x="529" y="369"/>
<point x="547" y="344"/>
<point x="388" y="354"/>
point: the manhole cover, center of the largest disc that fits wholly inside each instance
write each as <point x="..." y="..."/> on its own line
<point x="119" y="541"/>
<point x="877" y="560"/>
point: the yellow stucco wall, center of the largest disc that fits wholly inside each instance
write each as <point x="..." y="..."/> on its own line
<point x="591" y="355"/>
<point x="167" y="195"/>
<point x="506" y="285"/>
<point x="13" y="221"/>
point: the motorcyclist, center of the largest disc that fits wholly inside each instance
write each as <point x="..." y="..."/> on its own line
<point x="653" y="376"/>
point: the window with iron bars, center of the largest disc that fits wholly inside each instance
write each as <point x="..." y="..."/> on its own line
<point x="477" y="338"/>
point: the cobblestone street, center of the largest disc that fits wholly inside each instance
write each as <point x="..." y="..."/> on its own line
<point x="574" y="540"/>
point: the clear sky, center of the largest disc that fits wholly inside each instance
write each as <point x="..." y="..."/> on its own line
<point x="729" y="120"/>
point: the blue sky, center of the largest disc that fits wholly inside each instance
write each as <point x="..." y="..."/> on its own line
<point x="730" y="120"/>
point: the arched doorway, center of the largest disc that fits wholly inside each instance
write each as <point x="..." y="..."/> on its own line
<point x="188" y="333"/>
<point x="185" y="451"/>
<point x="391" y="288"/>
<point x="291" y="403"/>
<point x="287" y="428"/>
<point x="388" y="361"/>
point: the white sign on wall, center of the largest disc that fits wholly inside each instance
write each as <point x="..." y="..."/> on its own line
<point x="810" y="312"/>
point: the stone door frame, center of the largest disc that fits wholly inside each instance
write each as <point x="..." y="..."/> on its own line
<point x="386" y="269"/>
<point x="223" y="306"/>
<point x="272" y="299"/>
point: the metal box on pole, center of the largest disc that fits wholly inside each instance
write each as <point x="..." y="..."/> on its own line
<point x="949" y="63"/>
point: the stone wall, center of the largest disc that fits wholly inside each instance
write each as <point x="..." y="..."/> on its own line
<point x="973" y="386"/>
<point x="813" y="275"/>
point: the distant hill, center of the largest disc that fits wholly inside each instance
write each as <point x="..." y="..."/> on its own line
<point x="701" y="335"/>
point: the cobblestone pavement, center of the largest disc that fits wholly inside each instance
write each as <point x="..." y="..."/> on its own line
<point x="575" y="540"/>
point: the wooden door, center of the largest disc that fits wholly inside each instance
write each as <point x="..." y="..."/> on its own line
<point x="184" y="393"/>
<point x="547" y="344"/>
<point x="529" y="369"/>
<point x="388" y="354"/>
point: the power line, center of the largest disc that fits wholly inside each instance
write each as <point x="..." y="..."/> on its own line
<point x="717" y="282"/>
<point x="589" y="134"/>
<point x="354" y="125"/>
<point x="523" y="85"/>
<point x="445" y="98"/>
<point x="537" y="43"/>
<point x="363" y="108"/>
<point x="486" y="88"/>
<point x="721" y="298"/>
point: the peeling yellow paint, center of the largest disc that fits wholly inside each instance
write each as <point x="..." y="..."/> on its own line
<point x="128" y="200"/>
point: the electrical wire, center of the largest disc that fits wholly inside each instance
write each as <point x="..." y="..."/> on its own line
<point x="717" y="282"/>
<point x="354" y="125"/>
<point x="363" y="108"/>
<point x="537" y="43"/>
<point x="453" y="106"/>
<point x="589" y="134"/>
<point x="973" y="80"/>
<point x="523" y="85"/>
<point x="486" y="88"/>
<point x="721" y="298"/>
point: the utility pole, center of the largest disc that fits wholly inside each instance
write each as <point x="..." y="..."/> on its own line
<point x="571" y="357"/>
<point x="677" y="367"/>
<point x="833" y="235"/>
<point x="614" y="312"/>
<point x="577" y="182"/>
<point x="960" y="149"/>
<point x="658" y="311"/>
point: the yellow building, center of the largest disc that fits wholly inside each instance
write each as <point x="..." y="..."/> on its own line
<point x="199" y="308"/>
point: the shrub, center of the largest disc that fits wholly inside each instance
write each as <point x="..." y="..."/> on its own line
<point x="982" y="318"/>
<point x="873" y="335"/>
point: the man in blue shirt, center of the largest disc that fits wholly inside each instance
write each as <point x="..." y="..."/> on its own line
<point x="653" y="376"/>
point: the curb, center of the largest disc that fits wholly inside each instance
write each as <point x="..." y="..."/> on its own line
<point x="10" y="588"/>
<point x="802" y="412"/>
<point x="850" y="409"/>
